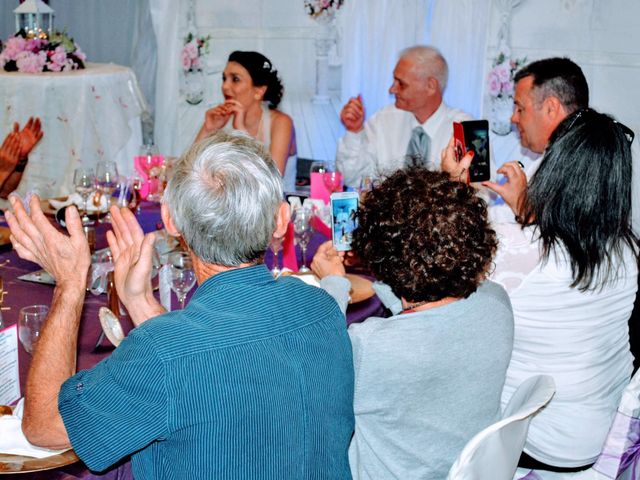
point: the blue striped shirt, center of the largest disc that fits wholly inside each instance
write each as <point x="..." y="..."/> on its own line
<point x="253" y="380"/>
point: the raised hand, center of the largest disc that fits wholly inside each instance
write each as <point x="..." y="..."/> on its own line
<point x="65" y="257"/>
<point x="514" y="191"/>
<point x="29" y="136"/>
<point x="458" y="170"/>
<point x="9" y="155"/>
<point x="132" y="252"/>
<point x="352" y="114"/>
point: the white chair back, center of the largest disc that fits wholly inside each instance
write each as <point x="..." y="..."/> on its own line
<point x="620" y="456"/>
<point x="493" y="453"/>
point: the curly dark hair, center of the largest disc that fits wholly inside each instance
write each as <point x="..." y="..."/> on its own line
<point x="424" y="235"/>
<point x="262" y="74"/>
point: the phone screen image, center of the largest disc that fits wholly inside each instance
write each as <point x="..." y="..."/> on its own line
<point x="474" y="135"/>
<point x="344" y="207"/>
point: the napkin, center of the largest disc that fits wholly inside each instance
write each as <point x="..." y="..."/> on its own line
<point x="12" y="440"/>
<point x="76" y="199"/>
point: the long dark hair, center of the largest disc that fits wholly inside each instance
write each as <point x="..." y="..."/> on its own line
<point x="580" y="197"/>
<point x="262" y="74"/>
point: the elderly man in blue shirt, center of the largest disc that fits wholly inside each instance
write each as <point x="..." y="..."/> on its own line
<point x="253" y="379"/>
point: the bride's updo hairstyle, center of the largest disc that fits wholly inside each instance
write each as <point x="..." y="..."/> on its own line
<point x="262" y="74"/>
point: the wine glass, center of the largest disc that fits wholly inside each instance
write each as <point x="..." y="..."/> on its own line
<point x="183" y="278"/>
<point x="275" y="245"/>
<point x="30" y="322"/>
<point x="332" y="178"/>
<point x="84" y="181"/>
<point x="303" y="230"/>
<point x="106" y="182"/>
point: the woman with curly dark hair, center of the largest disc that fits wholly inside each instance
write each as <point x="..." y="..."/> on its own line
<point x="252" y="91"/>
<point x="430" y="378"/>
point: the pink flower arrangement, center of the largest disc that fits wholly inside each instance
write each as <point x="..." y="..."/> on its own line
<point x="194" y="48"/>
<point x="500" y="81"/>
<point x="35" y="55"/>
<point x="322" y="9"/>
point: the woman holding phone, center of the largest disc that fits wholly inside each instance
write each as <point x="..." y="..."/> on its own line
<point x="429" y="378"/>
<point x="569" y="265"/>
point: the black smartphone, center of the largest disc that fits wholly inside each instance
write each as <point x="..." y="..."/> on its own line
<point x="474" y="135"/>
<point x="344" y="206"/>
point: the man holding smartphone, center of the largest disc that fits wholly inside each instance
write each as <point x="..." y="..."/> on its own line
<point x="415" y="129"/>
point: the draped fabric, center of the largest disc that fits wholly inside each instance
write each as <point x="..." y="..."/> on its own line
<point x="165" y="15"/>
<point x="375" y="32"/>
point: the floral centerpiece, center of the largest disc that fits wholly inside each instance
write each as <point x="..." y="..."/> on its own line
<point x="35" y="54"/>
<point x="501" y="89"/>
<point x="322" y="9"/>
<point x="194" y="48"/>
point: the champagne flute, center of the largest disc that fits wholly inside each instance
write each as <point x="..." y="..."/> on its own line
<point x="106" y="182"/>
<point x="84" y="181"/>
<point x="303" y="230"/>
<point x="183" y="278"/>
<point x="275" y="245"/>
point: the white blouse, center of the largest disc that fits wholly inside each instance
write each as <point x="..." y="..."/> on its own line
<point x="579" y="338"/>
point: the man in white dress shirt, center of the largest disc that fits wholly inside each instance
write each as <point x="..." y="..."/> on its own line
<point x="414" y="130"/>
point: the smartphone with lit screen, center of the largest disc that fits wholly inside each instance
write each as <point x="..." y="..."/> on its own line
<point x="344" y="219"/>
<point x="474" y="135"/>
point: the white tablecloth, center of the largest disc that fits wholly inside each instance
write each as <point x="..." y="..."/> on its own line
<point x="87" y="115"/>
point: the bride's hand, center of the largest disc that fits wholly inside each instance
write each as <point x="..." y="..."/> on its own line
<point x="217" y="117"/>
<point x="239" y="114"/>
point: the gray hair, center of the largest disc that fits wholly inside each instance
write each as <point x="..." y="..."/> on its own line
<point x="224" y="197"/>
<point x="428" y="62"/>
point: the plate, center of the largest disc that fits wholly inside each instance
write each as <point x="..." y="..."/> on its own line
<point x="19" y="464"/>
<point x="50" y="210"/>
<point x="361" y="288"/>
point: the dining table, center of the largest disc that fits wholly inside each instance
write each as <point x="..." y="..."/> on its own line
<point x="92" y="346"/>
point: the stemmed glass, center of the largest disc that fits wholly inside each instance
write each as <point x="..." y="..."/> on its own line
<point x="275" y="245"/>
<point x="303" y="230"/>
<point x="84" y="181"/>
<point x="332" y="178"/>
<point x="106" y="182"/>
<point x="183" y="278"/>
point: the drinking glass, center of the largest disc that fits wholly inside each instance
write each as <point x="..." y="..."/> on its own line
<point x="332" y="178"/>
<point x="183" y="278"/>
<point x="106" y="182"/>
<point x="30" y="322"/>
<point x="84" y="181"/>
<point x="303" y="230"/>
<point x="276" y="245"/>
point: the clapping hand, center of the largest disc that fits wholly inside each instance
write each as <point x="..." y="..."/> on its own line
<point x="29" y="136"/>
<point x="65" y="257"/>
<point x="9" y="154"/>
<point x="132" y="252"/>
<point x="352" y="114"/>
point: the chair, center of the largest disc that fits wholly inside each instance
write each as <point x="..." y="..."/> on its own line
<point x="493" y="453"/>
<point x="620" y="456"/>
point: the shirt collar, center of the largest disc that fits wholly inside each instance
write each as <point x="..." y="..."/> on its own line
<point x="254" y="275"/>
<point x="433" y="122"/>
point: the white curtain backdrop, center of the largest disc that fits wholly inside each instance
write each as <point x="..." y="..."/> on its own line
<point x="375" y="32"/>
<point x="459" y="30"/>
<point x="165" y="15"/>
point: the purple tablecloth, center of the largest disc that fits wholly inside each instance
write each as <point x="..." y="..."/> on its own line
<point x="21" y="293"/>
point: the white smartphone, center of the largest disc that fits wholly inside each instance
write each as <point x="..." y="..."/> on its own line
<point x="344" y="207"/>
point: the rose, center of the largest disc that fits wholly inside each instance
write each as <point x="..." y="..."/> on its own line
<point x="13" y="47"/>
<point x="191" y="49"/>
<point x="503" y="71"/>
<point x="29" y="62"/>
<point x="494" y="84"/>
<point x="186" y="61"/>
